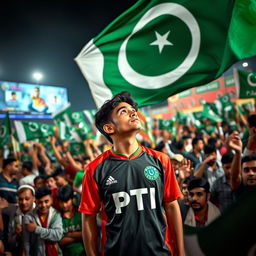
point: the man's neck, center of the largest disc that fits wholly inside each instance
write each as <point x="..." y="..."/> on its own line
<point x="7" y="175"/>
<point x="126" y="147"/>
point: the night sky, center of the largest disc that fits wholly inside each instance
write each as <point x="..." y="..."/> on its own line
<point x="47" y="36"/>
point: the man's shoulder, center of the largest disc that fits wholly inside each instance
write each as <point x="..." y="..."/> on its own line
<point x="100" y="159"/>
<point x="155" y="153"/>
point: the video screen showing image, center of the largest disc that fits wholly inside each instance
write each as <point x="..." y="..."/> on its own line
<point x="31" y="97"/>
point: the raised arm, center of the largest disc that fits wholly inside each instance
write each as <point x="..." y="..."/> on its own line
<point x="57" y="153"/>
<point x="235" y="144"/>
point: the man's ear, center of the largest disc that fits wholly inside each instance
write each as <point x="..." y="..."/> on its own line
<point x="108" y="128"/>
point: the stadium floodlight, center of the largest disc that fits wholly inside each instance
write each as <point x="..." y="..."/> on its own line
<point x="38" y="76"/>
<point x="245" y="64"/>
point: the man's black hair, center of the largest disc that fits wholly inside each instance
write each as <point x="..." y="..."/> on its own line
<point x="199" y="183"/>
<point x="38" y="177"/>
<point x="252" y="120"/>
<point x="27" y="165"/>
<point x="195" y="140"/>
<point x="7" y="161"/>
<point x="212" y="141"/>
<point x="65" y="193"/>
<point x="59" y="172"/>
<point x="227" y="158"/>
<point x="209" y="148"/>
<point x="248" y="158"/>
<point x="102" y="117"/>
<point x="43" y="191"/>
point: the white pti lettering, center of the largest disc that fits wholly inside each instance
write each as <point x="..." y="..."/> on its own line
<point x="122" y="199"/>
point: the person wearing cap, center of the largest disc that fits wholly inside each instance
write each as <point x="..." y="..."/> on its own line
<point x="201" y="211"/>
<point x="43" y="227"/>
<point x="13" y="218"/>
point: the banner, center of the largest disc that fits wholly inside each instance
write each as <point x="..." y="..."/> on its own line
<point x="159" y="48"/>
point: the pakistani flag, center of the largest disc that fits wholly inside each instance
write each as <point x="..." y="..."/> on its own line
<point x="5" y="130"/>
<point x="77" y="117"/>
<point x="76" y="148"/>
<point x="208" y="113"/>
<point x="63" y="115"/>
<point x="165" y="124"/>
<point x="90" y="115"/>
<point x="246" y="85"/>
<point x="30" y="130"/>
<point x="159" y="48"/>
<point x="225" y="108"/>
<point x="67" y="132"/>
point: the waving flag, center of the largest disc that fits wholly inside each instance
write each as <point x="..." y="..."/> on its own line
<point x="159" y="48"/>
<point x="5" y="130"/>
<point x="245" y="84"/>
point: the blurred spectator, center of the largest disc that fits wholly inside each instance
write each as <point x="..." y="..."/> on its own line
<point x="221" y="192"/>
<point x="201" y="211"/>
<point x="13" y="217"/>
<point x="8" y="184"/>
<point x="39" y="181"/>
<point x="27" y="172"/>
<point x="71" y="243"/>
<point x="209" y="168"/>
<point x="60" y="177"/>
<point x="43" y="227"/>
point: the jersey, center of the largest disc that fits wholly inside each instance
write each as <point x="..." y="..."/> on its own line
<point x="130" y="193"/>
<point x="73" y="225"/>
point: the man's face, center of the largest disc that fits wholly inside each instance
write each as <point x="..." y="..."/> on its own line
<point x="44" y="204"/>
<point x="176" y="165"/>
<point x="227" y="169"/>
<point x="124" y="119"/>
<point x="26" y="200"/>
<point x="14" y="168"/>
<point x="249" y="173"/>
<point x="66" y="206"/>
<point x="184" y="190"/>
<point x="60" y="181"/>
<point x="198" y="198"/>
<point x="39" y="183"/>
<point x="214" y="158"/>
<point x="200" y="145"/>
<point x="50" y="183"/>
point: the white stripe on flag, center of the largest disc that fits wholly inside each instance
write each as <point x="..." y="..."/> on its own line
<point x="61" y="109"/>
<point x="91" y="62"/>
<point x="20" y="131"/>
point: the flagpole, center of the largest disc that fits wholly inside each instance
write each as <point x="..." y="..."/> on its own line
<point x="237" y="82"/>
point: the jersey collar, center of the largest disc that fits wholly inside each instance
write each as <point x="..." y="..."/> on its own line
<point x="132" y="156"/>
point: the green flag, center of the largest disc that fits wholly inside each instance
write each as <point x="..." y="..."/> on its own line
<point x="165" y="124"/>
<point x="77" y="117"/>
<point x="63" y="115"/>
<point x="225" y="108"/>
<point x="210" y="114"/>
<point x="159" y="48"/>
<point x="30" y="130"/>
<point x="246" y="85"/>
<point x="5" y="130"/>
<point x="76" y="148"/>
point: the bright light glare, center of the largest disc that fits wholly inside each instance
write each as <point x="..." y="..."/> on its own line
<point x="38" y="76"/>
<point x="245" y="64"/>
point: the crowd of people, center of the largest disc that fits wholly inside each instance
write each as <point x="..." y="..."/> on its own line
<point x="41" y="188"/>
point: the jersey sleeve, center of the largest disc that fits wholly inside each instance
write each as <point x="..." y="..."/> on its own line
<point x="171" y="188"/>
<point x="90" y="199"/>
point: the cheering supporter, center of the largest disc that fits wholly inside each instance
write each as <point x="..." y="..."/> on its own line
<point x="9" y="184"/>
<point x="201" y="211"/>
<point x="43" y="227"/>
<point x="71" y="243"/>
<point x="13" y="219"/>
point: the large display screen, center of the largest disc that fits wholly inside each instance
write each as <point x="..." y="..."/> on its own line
<point x="31" y="99"/>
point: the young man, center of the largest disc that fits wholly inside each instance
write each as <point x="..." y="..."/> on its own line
<point x="201" y="211"/>
<point x="43" y="227"/>
<point x="8" y="184"/>
<point x="27" y="172"/>
<point x="134" y="187"/>
<point x="13" y="217"/>
<point x="71" y="243"/>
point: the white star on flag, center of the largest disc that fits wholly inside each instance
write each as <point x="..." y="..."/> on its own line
<point x="161" y="41"/>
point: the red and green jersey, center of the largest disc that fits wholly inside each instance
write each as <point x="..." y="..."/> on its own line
<point x="131" y="192"/>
